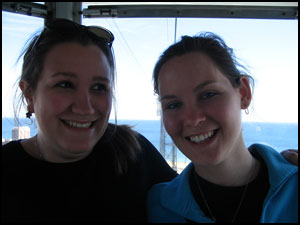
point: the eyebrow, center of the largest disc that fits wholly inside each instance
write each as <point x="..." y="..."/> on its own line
<point x="73" y="75"/>
<point x="202" y="85"/>
<point x="197" y="88"/>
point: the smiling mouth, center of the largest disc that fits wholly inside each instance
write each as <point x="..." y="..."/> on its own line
<point x="202" y="137"/>
<point x="76" y="124"/>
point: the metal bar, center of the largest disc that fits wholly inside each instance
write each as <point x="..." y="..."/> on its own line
<point x="199" y="11"/>
<point x="26" y="8"/>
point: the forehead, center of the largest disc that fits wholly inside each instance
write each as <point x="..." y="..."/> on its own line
<point x="194" y="61"/>
<point x="77" y="58"/>
<point x="189" y="68"/>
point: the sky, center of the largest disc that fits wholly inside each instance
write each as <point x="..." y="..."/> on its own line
<point x="269" y="48"/>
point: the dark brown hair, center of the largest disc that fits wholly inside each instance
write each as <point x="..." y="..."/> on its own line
<point x="211" y="45"/>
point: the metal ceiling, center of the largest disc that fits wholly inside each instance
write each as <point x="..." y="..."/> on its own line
<point x="74" y="11"/>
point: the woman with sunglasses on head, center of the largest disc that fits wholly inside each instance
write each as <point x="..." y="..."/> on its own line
<point x="79" y="167"/>
<point x="202" y="90"/>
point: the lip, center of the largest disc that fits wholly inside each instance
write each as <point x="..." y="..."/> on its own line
<point x="75" y="124"/>
<point x="203" y="137"/>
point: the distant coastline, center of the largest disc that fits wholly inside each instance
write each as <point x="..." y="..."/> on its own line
<point x="280" y="136"/>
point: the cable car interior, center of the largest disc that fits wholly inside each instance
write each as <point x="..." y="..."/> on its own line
<point x="166" y="22"/>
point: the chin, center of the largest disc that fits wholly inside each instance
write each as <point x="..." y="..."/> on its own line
<point x="78" y="147"/>
<point x="208" y="160"/>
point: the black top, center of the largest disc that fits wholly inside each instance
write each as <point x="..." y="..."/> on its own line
<point x="87" y="190"/>
<point x="224" y="201"/>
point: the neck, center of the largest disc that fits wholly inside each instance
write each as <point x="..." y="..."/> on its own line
<point x="55" y="153"/>
<point x="236" y="170"/>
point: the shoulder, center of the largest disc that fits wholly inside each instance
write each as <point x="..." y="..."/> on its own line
<point x="169" y="201"/>
<point x="282" y="198"/>
<point x="129" y="132"/>
<point x="176" y="187"/>
<point x="152" y="164"/>
<point x="126" y="134"/>
<point x="270" y="156"/>
<point x="13" y="157"/>
<point x="11" y="149"/>
<point x="124" y="137"/>
<point x="131" y="149"/>
<point x="11" y="145"/>
<point x="155" y="210"/>
<point x="159" y="209"/>
<point x="280" y="171"/>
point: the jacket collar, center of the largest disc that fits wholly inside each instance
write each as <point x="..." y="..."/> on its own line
<point x="177" y="197"/>
<point x="279" y="169"/>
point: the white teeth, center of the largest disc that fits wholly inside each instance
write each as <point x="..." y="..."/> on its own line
<point x="201" y="137"/>
<point x="78" y="125"/>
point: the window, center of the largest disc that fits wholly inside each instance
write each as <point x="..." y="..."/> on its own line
<point x="16" y="29"/>
<point x="268" y="47"/>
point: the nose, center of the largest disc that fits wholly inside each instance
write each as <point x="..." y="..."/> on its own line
<point x="193" y="116"/>
<point x="82" y="104"/>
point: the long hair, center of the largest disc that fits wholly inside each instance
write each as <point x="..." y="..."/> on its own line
<point x="122" y="142"/>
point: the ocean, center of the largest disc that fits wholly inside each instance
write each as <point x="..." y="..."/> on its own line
<point x="280" y="136"/>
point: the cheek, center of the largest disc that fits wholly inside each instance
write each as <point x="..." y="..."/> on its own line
<point x="108" y="105"/>
<point x="59" y="103"/>
<point x="227" y="113"/>
<point x="51" y="104"/>
<point x="103" y="104"/>
<point x="171" y="124"/>
<point x="225" y="107"/>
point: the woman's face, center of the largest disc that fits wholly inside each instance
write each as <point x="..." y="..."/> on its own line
<point x="73" y="99"/>
<point x="201" y="109"/>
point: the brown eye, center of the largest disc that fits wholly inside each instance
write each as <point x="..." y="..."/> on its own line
<point x="64" y="84"/>
<point x="100" y="87"/>
<point x="208" y="95"/>
<point x="173" y="105"/>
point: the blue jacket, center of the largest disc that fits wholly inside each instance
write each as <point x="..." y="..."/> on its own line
<point x="173" y="201"/>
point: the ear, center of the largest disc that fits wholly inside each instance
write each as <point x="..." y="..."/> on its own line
<point x="28" y="94"/>
<point x="245" y="92"/>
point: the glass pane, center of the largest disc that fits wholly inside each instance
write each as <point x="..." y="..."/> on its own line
<point x="268" y="47"/>
<point x="16" y="29"/>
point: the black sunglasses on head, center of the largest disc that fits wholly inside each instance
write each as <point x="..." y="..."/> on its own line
<point x="65" y="26"/>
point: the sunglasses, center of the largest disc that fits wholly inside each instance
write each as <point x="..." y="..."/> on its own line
<point x="67" y="27"/>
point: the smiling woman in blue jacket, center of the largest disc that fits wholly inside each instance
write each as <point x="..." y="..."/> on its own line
<point x="202" y="90"/>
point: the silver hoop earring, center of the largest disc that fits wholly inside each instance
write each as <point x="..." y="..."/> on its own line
<point x="247" y="111"/>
